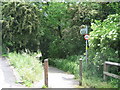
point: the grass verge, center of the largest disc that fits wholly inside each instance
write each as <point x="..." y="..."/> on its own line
<point x="28" y="67"/>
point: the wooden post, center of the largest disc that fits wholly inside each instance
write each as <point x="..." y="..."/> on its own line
<point x="80" y="71"/>
<point x="105" y="70"/>
<point x="46" y="71"/>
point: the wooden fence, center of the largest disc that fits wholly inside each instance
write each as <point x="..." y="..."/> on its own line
<point x="106" y="73"/>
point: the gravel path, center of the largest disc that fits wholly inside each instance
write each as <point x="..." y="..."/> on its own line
<point x="58" y="79"/>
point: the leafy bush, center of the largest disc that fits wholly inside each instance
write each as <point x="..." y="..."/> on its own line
<point x="104" y="44"/>
<point x="29" y="68"/>
<point x="21" y="25"/>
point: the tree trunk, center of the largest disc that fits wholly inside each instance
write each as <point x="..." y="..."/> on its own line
<point x="59" y="31"/>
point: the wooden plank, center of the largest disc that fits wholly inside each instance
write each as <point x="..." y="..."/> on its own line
<point x="112" y="75"/>
<point x="112" y="63"/>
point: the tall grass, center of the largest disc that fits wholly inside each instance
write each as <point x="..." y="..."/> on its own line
<point x="28" y="67"/>
<point x="90" y="77"/>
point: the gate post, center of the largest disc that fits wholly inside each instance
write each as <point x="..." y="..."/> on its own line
<point x="46" y="71"/>
<point x="80" y="72"/>
<point x="105" y="70"/>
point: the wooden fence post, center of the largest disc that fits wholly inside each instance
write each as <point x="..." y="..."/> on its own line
<point x="80" y="72"/>
<point x="46" y="71"/>
<point x="106" y="73"/>
<point x="105" y="70"/>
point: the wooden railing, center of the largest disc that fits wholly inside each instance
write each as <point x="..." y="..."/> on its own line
<point x="106" y="73"/>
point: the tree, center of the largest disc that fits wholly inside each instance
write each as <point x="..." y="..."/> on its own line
<point x="20" y="25"/>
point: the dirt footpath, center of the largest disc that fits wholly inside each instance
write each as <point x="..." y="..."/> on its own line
<point x="59" y="79"/>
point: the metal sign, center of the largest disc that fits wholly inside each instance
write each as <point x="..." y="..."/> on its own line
<point x="84" y="31"/>
<point x="86" y="37"/>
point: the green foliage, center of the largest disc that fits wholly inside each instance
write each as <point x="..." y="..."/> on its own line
<point x="61" y="34"/>
<point x="106" y="32"/>
<point x="57" y="30"/>
<point x="115" y="7"/>
<point x="105" y="36"/>
<point x="28" y="67"/>
<point x="55" y="11"/>
<point x="52" y="24"/>
<point x="51" y="27"/>
<point x="104" y="44"/>
<point x="20" y="25"/>
<point x="44" y="86"/>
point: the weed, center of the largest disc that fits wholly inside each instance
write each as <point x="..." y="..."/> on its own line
<point x="44" y="86"/>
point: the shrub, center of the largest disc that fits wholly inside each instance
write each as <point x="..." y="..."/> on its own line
<point x="104" y="44"/>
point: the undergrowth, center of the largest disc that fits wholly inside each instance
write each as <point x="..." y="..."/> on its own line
<point x="28" y="67"/>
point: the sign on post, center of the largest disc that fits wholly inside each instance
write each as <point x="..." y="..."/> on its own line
<point x="84" y="31"/>
<point x="86" y="37"/>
